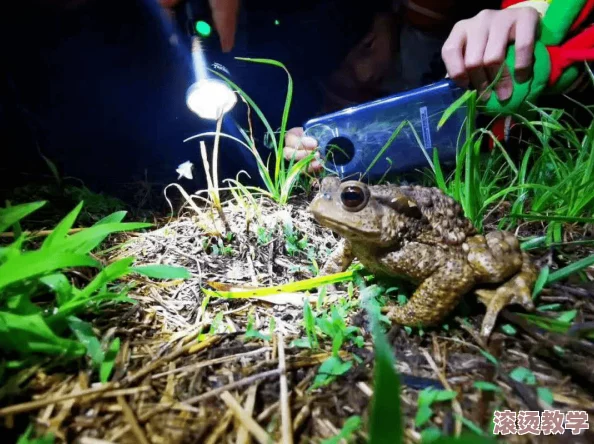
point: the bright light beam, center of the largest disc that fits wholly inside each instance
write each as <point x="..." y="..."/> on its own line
<point x="208" y="98"/>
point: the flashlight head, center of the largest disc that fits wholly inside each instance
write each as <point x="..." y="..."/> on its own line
<point x="210" y="98"/>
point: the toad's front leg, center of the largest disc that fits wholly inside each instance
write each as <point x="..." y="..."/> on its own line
<point x="445" y="279"/>
<point x="340" y="259"/>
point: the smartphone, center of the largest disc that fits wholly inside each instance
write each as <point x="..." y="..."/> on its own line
<point x="392" y="135"/>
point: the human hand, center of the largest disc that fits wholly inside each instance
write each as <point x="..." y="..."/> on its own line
<point x="298" y="146"/>
<point x="224" y="16"/>
<point x="476" y="48"/>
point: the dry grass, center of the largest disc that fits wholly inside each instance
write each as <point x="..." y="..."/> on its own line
<point x="169" y="388"/>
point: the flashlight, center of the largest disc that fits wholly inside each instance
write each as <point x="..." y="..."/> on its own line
<point x="209" y="98"/>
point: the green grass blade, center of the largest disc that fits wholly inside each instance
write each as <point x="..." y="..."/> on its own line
<point x="86" y="240"/>
<point x="255" y="107"/>
<point x="286" y="109"/>
<point x="11" y="215"/>
<point x="34" y="263"/>
<point x="60" y="232"/>
<point x="571" y="269"/>
<point x="161" y="271"/>
<point x="385" y="147"/>
<point x="385" y="422"/>
<point x="454" y="107"/>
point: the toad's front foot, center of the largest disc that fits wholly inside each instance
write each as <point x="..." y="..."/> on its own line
<point x="517" y="290"/>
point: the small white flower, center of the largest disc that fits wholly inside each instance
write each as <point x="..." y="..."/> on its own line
<point x="185" y="170"/>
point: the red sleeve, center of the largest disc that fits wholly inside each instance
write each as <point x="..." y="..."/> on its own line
<point x="508" y="3"/>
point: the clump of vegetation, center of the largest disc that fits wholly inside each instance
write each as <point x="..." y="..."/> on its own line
<point x="41" y="302"/>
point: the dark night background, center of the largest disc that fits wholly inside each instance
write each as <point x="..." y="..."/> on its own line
<point x="100" y="91"/>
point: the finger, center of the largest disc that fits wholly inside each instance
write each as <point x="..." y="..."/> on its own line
<point x="494" y="57"/>
<point x="291" y="153"/>
<point x="473" y="59"/>
<point x="524" y="34"/>
<point x="293" y="136"/>
<point x="298" y="131"/>
<point x="315" y="167"/>
<point x="480" y="80"/>
<point x="505" y="85"/>
<point x="304" y="142"/>
<point x="452" y="54"/>
<point x="224" y="16"/>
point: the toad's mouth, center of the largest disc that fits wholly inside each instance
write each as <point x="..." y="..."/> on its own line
<point x="348" y="229"/>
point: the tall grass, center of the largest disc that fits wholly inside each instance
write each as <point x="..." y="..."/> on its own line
<point x="281" y="179"/>
<point x="552" y="183"/>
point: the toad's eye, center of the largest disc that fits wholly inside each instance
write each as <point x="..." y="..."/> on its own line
<point x="354" y="198"/>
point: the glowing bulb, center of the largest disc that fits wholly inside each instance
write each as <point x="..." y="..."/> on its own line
<point x="210" y="98"/>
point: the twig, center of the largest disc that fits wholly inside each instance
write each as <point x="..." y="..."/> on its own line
<point x="131" y="418"/>
<point x="287" y="433"/>
<point x="455" y="404"/>
<point x="40" y="233"/>
<point x="211" y="362"/>
<point x="246" y="420"/>
<point x="242" y="435"/>
<point x="34" y="405"/>
<point x="245" y="381"/>
<point x="301" y="416"/>
<point x="89" y="440"/>
<point x="190" y="347"/>
<point x="223" y="424"/>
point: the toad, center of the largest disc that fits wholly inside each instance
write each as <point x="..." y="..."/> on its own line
<point x="421" y="234"/>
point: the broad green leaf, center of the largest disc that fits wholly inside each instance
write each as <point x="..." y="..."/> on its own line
<point x="159" y="271"/>
<point x="546" y="395"/>
<point x="523" y="375"/>
<point x="424" y="414"/>
<point x="60" y="285"/>
<point x="30" y="334"/>
<point x="25" y="438"/>
<point x="430" y="434"/>
<point x="10" y="216"/>
<point x="350" y="426"/>
<point x="60" y="232"/>
<point x="567" y="316"/>
<point x="21" y="304"/>
<point x="33" y="263"/>
<point x="110" y="273"/>
<point x="329" y="370"/>
<point x="430" y="395"/>
<point x="486" y="386"/>
<point x="86" y="336"/>
<point x="86" y="240"/>
<point x="109" y="362"/>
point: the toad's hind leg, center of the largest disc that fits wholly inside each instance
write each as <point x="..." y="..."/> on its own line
<point x="517" y="290"/>
<point x="437" y="296"/>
